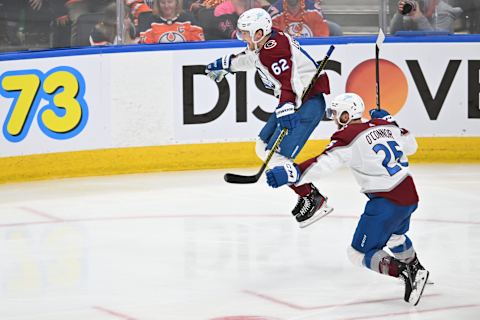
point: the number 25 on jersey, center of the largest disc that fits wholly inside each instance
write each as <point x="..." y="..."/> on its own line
<point x="391" y="150"/>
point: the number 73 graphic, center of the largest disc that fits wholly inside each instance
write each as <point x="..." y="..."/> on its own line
<point x="63" y="117"/>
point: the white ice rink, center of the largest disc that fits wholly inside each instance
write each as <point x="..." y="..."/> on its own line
<point x="190" y="246"/>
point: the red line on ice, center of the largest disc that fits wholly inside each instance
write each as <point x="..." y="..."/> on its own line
<point x="114" y="313"/>
<point x="40" y="213"/>
<point x="298" y="307"/>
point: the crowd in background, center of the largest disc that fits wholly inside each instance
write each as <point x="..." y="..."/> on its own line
<point x="37" y="24"/>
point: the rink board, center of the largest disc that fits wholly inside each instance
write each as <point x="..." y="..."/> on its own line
<point x="197" y="157"/>
<point x="151" y="108"/>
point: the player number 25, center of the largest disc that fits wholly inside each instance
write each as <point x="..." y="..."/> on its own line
<point x="280" y="66"/>
<point x="391" y="149"/>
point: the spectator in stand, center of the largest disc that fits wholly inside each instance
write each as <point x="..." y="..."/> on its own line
<point x="105" y="32"/>
<point x="471" y="13"/>
<point x="60" y="25"/>
<point x="192" y="5"/>
<point x="10" y="11"/>
<point x="302" y="18"/>
<point x="35" y="23"/>
<point x="168" y="22"/>
<point x="219" y="17"/>
<point x="138" y="7"/>
<point x="77" y="8"/>
<point x="424" y="15"/>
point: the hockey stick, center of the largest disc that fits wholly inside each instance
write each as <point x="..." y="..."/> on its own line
<point x="378" y="44"/>
<point x="240" y="179"/>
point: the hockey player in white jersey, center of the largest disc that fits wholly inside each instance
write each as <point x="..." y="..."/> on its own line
<point x="287" y="69"/>
<point x="376" y="151"/>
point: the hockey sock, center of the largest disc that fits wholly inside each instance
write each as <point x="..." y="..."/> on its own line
<point x="383" y="263"/>
<point x="302" y="190"/>
<point x="305" y="189"/>
<point x="402" y="248"/>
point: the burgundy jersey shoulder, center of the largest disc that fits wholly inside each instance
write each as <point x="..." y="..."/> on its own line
<point x="276" y="56"/>
<point x="277" y="46"/>
<point x="347" y="134"/>
<point x="379" y="122"/>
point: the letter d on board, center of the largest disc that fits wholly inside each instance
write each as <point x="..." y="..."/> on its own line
<point x="189" y="116"/>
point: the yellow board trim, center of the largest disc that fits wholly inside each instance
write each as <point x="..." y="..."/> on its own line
<point x="198" y="156"/>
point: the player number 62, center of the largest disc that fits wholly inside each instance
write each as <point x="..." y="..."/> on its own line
<point x="280" y="66"/>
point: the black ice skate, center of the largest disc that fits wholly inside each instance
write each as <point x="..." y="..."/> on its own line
<point x="416" y="264"/>
<point x="298" y="206"/>
<point x="415" y="278"/>
<point x="314" y="207"/>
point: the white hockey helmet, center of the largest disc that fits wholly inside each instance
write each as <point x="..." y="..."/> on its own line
<point x="253" y="20"/>
<point x="346" y="102"/>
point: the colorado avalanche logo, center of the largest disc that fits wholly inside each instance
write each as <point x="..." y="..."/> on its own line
<point x="168" y="37"/>
<point x="270" y="44"/>
<point x="299" y="30"/>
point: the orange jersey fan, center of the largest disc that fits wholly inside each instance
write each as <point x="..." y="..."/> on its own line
<point x="175" y="32"/>
<point x="309" y="23"/>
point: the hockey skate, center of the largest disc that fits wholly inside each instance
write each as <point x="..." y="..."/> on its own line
<point x="313" y="208"/>
<point x="419" y="266"/>
<point x="298" y="206"/>
<point x="415" y="278"/>
<point x="416" y="264"/>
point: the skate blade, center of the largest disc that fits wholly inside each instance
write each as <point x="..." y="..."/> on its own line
<point x="415" y="298"/>
<point x="429" y="282"/>
<point x="317" y="216"/>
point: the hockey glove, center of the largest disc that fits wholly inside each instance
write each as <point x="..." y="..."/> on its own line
<point x="286" y="115"/>
<point x="278" y="176"/>
<point x="220" y="68"/>
<point x="381" y="114"/>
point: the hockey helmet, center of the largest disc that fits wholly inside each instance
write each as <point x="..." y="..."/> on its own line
<point x="253" y="20"/>
<point x="346" y="102"/>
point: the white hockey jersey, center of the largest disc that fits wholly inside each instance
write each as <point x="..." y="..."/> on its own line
<point x="376" y="151"/>
<point x="284" y="67"/>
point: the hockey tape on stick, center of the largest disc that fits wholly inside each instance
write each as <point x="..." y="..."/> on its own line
<point x="378" y="44"/>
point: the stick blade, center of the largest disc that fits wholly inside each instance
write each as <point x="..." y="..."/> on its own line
<point x="239" y="179"/>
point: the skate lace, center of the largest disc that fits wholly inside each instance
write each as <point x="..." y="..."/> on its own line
<point x="306" y="207"/>
<point x="299" y="203"/>
<point x="415" y="265"/>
